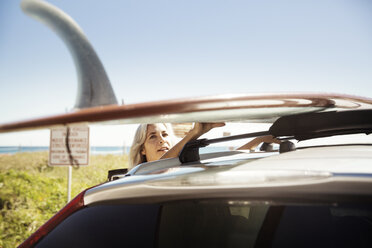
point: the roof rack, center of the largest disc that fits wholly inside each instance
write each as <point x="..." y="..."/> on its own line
<point x="299" y="126"/>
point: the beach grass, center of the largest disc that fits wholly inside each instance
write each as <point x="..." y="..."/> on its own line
<point x="31" y="191"/>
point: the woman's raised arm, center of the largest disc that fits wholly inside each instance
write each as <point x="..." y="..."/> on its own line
<point x="198" y="130"/>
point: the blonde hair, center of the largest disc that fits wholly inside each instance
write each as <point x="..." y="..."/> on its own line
<point x="135" y="156"/>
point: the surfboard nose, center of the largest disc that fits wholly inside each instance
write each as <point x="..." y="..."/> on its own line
<point x="94" y="87"/>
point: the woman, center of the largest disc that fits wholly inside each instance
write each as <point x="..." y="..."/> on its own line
<point x="156" y="141"/>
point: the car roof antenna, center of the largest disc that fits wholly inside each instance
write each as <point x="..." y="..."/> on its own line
<point x="94" y="87"/>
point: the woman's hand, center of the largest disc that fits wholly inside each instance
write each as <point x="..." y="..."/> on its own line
<point x="201" y="128"/>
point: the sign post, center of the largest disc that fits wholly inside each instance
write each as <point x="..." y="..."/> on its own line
<point x="69" y="176"/>
<point x="69" y="146"/>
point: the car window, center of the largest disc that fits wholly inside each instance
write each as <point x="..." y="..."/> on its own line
<point x="323" y="226"/>
<point x="106" y="226"/>
<point x="214" y="224"/>
<point x="210" y="225"/>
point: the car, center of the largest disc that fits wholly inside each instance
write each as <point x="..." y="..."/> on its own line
<point x="299" y="188"/>
<point x="275" y="196"/>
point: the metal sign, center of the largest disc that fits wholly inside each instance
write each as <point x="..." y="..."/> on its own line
<point x="69" y="146"/>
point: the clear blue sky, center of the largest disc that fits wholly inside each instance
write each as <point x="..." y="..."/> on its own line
<point x="155" y="50"/>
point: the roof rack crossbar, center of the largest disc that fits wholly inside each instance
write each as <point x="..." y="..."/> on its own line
<point x="190" y="152"/>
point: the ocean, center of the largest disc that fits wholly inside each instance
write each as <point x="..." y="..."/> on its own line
<point x="95" y="150"/>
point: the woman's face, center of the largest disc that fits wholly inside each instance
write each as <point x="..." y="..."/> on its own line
<point x="157" y="142"/>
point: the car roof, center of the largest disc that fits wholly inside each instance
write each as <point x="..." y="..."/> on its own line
<point x="334" y="159"/>
<point x="312" y="173"/>
<point x="287" y="168"/>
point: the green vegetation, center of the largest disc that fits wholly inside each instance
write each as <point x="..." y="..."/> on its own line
<point x="31" y="192"/>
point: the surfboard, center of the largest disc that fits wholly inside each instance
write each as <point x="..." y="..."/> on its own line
<point x="226" y="108"/>
<point x="97" y="101"/>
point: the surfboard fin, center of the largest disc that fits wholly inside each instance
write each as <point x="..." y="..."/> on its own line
<point x="94" y="87"/>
